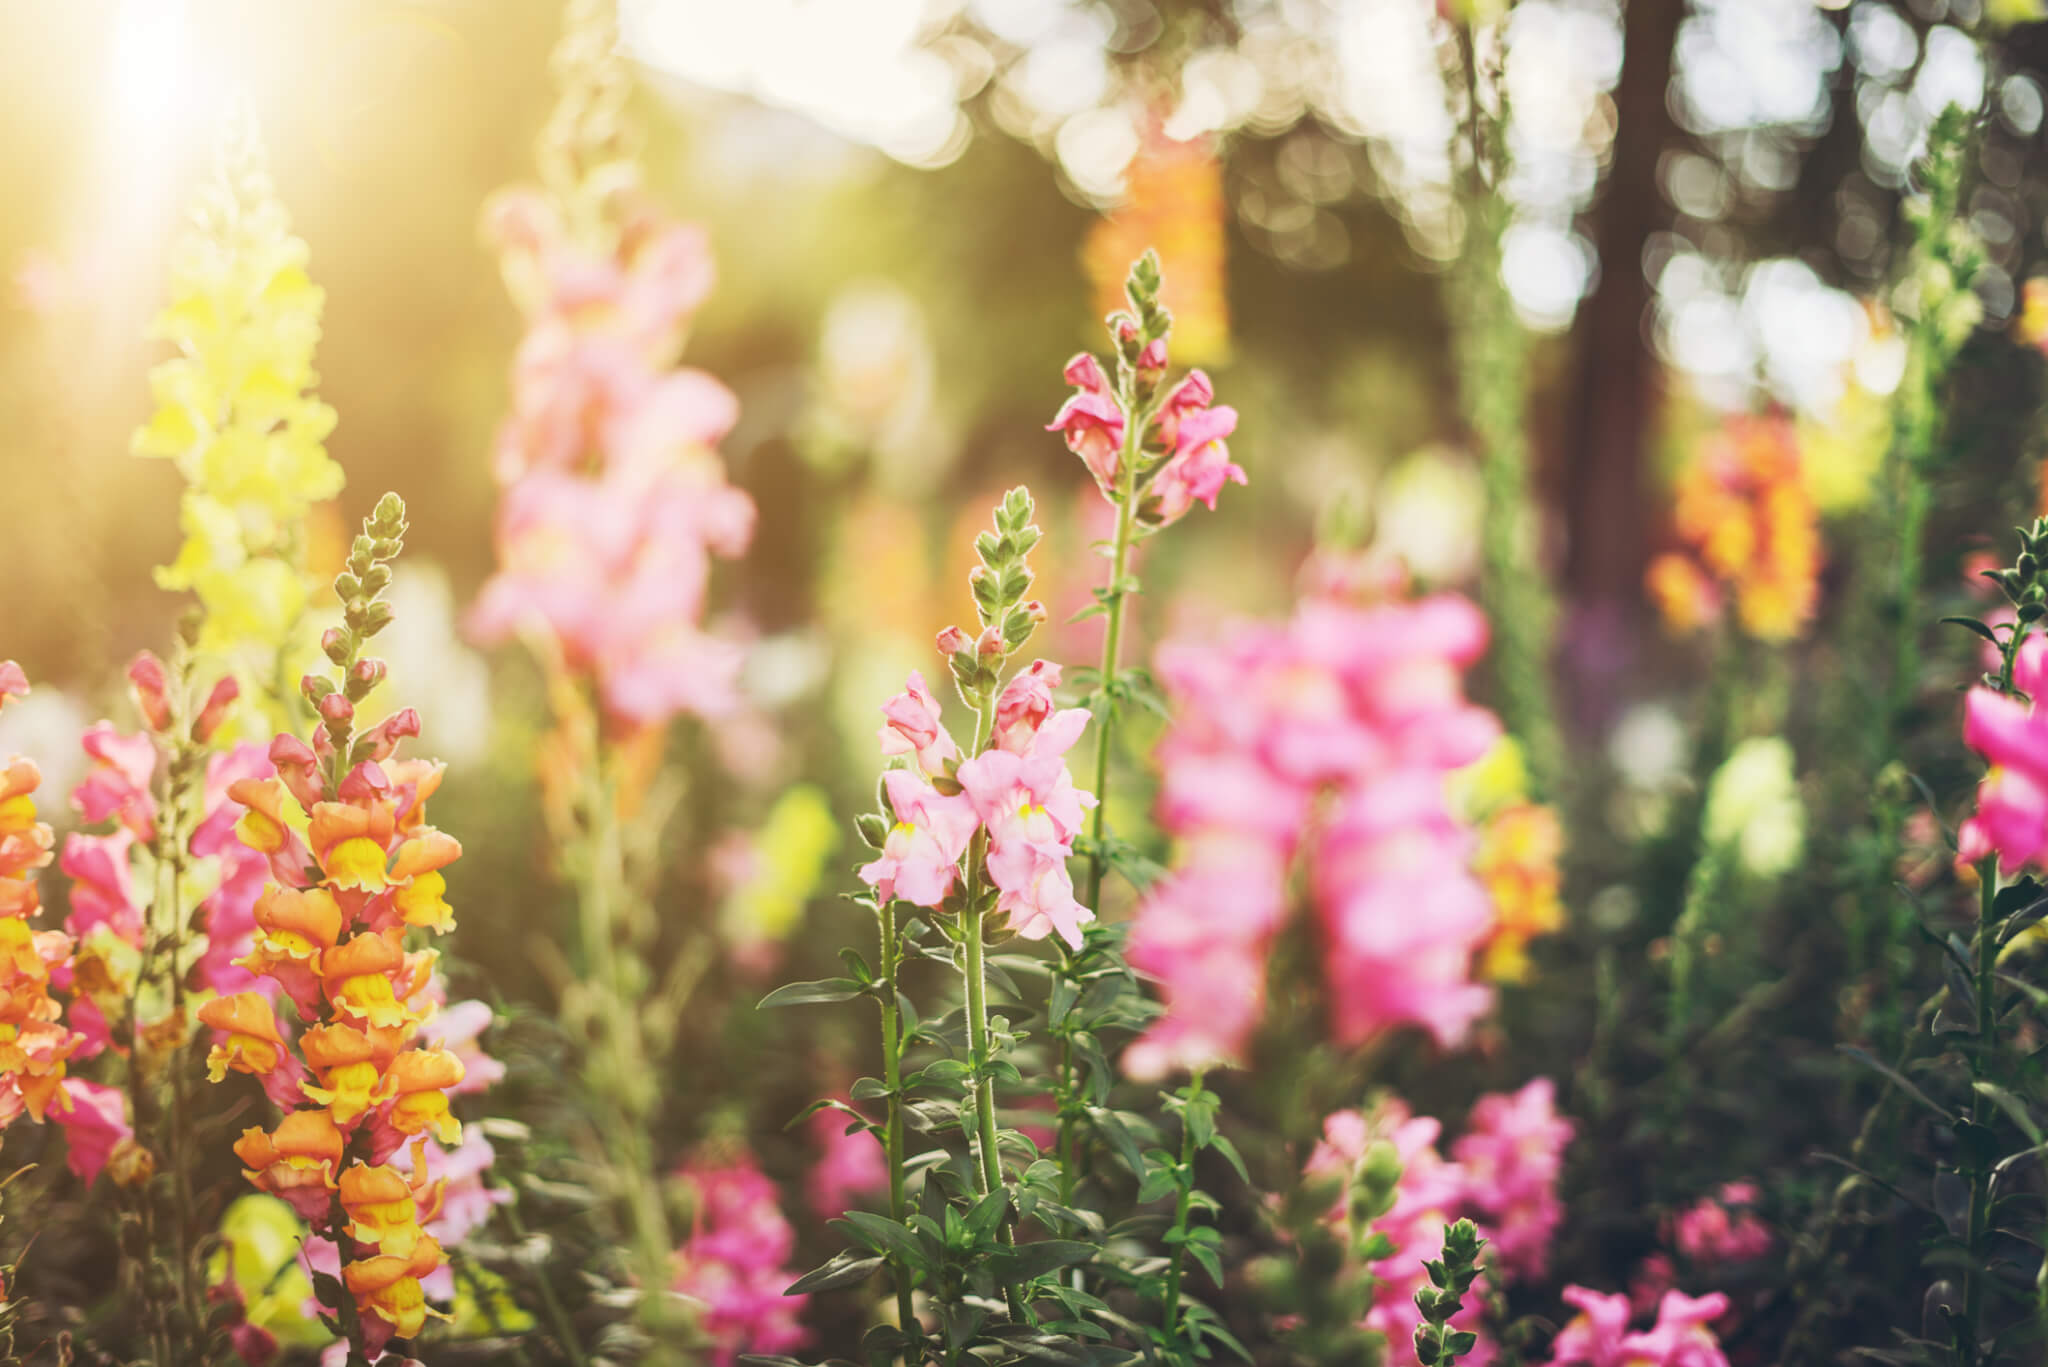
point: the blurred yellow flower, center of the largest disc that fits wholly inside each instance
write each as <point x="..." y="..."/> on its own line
<point x="236" y="415"/>
<point x="1520" y="844"/>
<point x="786" y="865"/>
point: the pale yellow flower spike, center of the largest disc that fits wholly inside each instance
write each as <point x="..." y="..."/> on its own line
<point x="236" y="414"/>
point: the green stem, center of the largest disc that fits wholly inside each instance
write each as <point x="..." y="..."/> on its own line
<point x="628" y="1079"/>
<point x="1184" y="1176"/>
<point x="1112" y="645"/>
<point x="1065" y="1083"/>
<point x="892" y="1078"/>
<point x="1987" y="1025"/>
<point x="989" y="1165"/>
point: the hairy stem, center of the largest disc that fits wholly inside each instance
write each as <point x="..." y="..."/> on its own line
<point x="989" y="1167"/>
<point x="1987" y="1025"/>
<point x="628" y="1074"/>
<point x="1183" y="1207"/>
<point x="892" y="1078"/>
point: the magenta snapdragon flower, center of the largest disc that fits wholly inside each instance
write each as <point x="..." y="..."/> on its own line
<point x="2012" y="735"/>
<point x="1355" y="714"/>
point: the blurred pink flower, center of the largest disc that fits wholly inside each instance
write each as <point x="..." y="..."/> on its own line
<point x="94" y="1122"/>
<point x="2012" y="800"/>
<point x="1429" y="1195"/>
<point x="1599" y="1335"/>
<point x="848" y="1167"/>
<point x="614" y="498"/>
<point x="734" y="1261"/>
<point x="1512" y="1153"/>
<point x="116" y="786"/>
<point x="1722" y="1228"/>
<point x="1358" y="711"/>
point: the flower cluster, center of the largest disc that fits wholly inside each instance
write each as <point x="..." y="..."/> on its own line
<point x="1749" y="531"/>
<point x="2012" y="799"/>
<point x="353" y="867"/>
<point x="112" y="907"/>
<point x="1018" y="790"/>
<point x="734" y="1261"/>
<point x="1356" y="712"/>
<point x="614" y="498"/>
<point x="1174" y="203"/>
<point x="236" y="413"/>
<point x="1599" y="1335"/>
<point x="35" y="1045"/>
<point x="1520" y="844"/>
<point x="1503" y="1175"/>
<point x="1178" y="456"/>
<point x="1721" y="1228"/>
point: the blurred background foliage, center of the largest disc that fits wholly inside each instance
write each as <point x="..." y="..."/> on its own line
<point x="902" y="195"/>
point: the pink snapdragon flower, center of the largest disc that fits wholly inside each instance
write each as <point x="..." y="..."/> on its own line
<point x="1019" y="790"/>
<point x="1356" y="713"/>
<point x="116" y="785"/>
<point x="1203" y="939"/>
<point x="735" y="1262"/>
<point x="1722" y="1228"/>
<point x="1033" y="811"/>
<point x="1512" y="1153"/>
<point x="849" y="1166"/>
<point x="1200" y="464"/>
<point x="1599" y="1336"/>
<point x="920" y="855"/>
<point x="2012" y="736"/>
<point x="102" y="884"/>
<point x="1429" y="1195"/>
<point x="94" y="1122"/>
<point x="912" y="725"/>
<point x="1502" y="1169"/>
<point x="614" y="498"/>
<point x="1092" y="422"/>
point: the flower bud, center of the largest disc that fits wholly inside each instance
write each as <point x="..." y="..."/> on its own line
<point x="1152" y="360"/>
<point x="152" y="690"/>
<point x="130" y="1164"/>
<point x="334" y="645"/>
<point x="336" y="710"/>
<point x="216" y="709"/>
<point x="952" y="641"/>
<point x="990" y="642"/>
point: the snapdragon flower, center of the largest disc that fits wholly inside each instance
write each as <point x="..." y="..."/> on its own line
<point x="615" y="500"/>
<point x="735" y="1260"/>
<point x="1356" y="710"/>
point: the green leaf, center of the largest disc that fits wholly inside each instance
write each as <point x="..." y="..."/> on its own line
<point x="1064" y="995"/>
<point x="1113" y="1132"/>
<point x="1026" y="1261"/>
<point x="1222" y="1145"/>
<point x="1897" y="1079"/>
<point x="883" y="1235"/>
<point x="844" y="1269"/>
<point x="1972" y="624"/>
<point x="804" y="994"/>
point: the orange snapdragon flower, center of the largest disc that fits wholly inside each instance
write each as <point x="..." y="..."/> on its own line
<point x="35" y="1048"/>
<point x="1517" y="860"/>
<point x="1749" y="534"/>
<point x="331" y="929"/>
